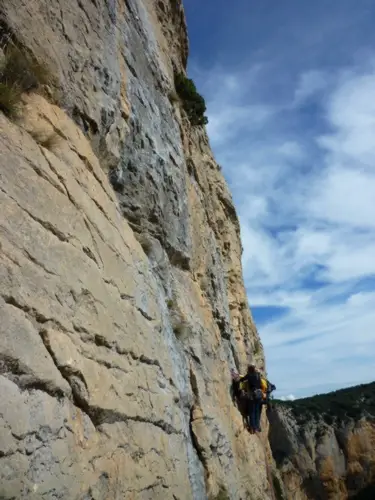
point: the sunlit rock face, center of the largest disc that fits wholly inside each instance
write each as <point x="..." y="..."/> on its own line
<point x="122" y="301"/>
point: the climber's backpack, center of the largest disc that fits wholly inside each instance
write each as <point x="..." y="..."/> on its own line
<point x="254" y="387"/>
<point x="264" y="385"/>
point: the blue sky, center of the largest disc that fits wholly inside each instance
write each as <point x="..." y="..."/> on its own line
<point x="290" y="90"/>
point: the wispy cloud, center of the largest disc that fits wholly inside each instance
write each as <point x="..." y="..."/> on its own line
<point x="309" y="85"/>
<point x="304" y="187"/>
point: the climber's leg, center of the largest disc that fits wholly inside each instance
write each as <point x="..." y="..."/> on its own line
<point x="257" y="415"/>
<point x="252" y="415"/>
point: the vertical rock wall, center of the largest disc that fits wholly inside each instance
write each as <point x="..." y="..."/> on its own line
<point x="122" y="300"/>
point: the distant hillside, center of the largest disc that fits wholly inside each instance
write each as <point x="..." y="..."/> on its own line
<point x="324" y="446"/>
<point x="338" y="406"/>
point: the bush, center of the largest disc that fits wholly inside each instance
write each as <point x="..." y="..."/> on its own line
<point x="257" y="347"/>
<point x="193" y="103"/>
<point x="222" y="495"/>
<point x="18" y="73"/>
<point x="173" y="96"/>
<point x="179" y="322"/>
<point x="10" y="97"/>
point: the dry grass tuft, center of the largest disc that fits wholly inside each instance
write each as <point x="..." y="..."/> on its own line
<point x="19" y="73"/>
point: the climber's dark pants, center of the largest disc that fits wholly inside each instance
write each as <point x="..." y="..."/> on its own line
<point x="255" y="408"/>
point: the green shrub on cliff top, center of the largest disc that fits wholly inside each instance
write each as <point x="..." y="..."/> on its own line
<point x="193" y="103"/>
<point x="337" y="406"/>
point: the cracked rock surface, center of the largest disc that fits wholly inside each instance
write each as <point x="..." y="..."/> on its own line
<point x="122" y="303"/>
<point x="317" y="460"/>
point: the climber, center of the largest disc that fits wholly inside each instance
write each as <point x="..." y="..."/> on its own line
<point x="240" y="396"/>
<point x="267" y="388"/>
<point x="250" y="393"/>
<point x="270" y="389"/>
<point x="255" y="397"/>
<point x="235" y="387"/>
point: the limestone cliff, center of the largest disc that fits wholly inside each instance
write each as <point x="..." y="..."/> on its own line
<point x="325" y="446"/>
<point x="122" y="301"/>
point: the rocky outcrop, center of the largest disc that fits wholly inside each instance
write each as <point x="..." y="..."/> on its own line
<point x="122" y="301"/>
<point x="325" y="459"/>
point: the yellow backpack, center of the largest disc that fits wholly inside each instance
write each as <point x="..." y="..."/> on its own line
<point x="264" y="387"/>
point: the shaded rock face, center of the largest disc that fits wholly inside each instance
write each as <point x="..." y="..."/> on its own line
<point x="152" y="155"/>
<point x="121" y="294"/>
<point x="320" y="461"/>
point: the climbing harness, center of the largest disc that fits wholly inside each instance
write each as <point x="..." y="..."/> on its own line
<point x="258" y="394"/>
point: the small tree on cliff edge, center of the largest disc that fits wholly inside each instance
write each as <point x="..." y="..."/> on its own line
<point x="193" y="103"/>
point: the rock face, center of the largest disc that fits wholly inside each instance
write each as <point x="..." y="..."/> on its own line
<point x="121" y="294"/>
<point x="324" y="461"/>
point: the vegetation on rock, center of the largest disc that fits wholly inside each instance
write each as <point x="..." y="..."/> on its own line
<point x="193" y="103"/>
<point x="335" y="407"/>
<point x="178" y="319"/>
<point x="257" y="347"/>
<point x="18" y="73"/>
<point x="222" y="495"/>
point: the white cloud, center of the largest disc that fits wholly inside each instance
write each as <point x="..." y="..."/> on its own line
<point x="290" y="397"/>
<point x="345" y="196"/>
<point x="312" y="245"/>
<point x="225" y="95"/>
<point x="291" y="150"/>
<point x="306" y="203"/>
<point x="310" y="83"/>
<point x="351" y="113"/>
<point x="227" y="121"/>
